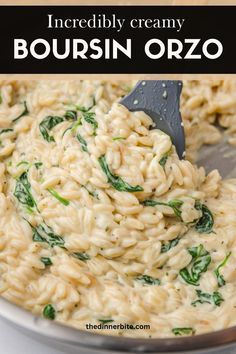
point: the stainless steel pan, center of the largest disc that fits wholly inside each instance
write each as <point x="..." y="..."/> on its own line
<point x="72" y="341"/>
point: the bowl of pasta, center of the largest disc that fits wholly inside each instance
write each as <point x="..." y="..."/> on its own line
<point x="109" y="241"/>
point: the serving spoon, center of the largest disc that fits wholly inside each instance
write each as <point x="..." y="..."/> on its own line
<point x="160" y="99"/>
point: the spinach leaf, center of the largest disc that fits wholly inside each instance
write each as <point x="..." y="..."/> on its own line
<point x="24" y="113"/>
<point x="89" y="117"/>
<point x="0" y="99"/>
<point x="118" y="138"/>
<point x="37" y="237"/>
<point x="22" y="191"/>
<point x="93" y="102"/>
<point x="46" y="260"/>
<point x="24" y="180"/>
<point x="48" y="124"/>
<point x="38" y="164"/>
<point x="67" y="130"/>
<point x="93" y="194"/>
<point x="202" y="298"/>
<point x="167" y="246"/>
<point x="70" y="115"/>
<point x="116" y="181"/>
<point x="58" y="197"/>
<point x="49" y="312"/>
<point x="105" y="320"/>
<point x="22" y="163"/>
<point x="220" y="278"/>
<point x="216" y="298"/>
<point x="82" y="108"/>
<point x="198" y="251"/>
<point x="73" y="127"/>
<point x="163" y="160"/>
<point x="175" y="204"/>
<point x="180" y="331"/>
<point x="44" y="233"/>
<point x="29" y="210"/>
<point x="76" y="125"/>
<point x="6" y="130"/>
<point x="147" y="280"/>
<point x="82" y="256"/>
<point x="206" y="221"/>
<point x="200" y="261"/>
<point x="82" y="142"/>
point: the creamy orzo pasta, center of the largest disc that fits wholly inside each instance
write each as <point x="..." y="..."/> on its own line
<point x="99" y="219"/>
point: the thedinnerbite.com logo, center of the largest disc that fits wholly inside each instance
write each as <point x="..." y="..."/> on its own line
<point x="110" y="325"/>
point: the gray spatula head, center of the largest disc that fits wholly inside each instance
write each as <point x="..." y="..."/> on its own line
<point x="160" y="100"/>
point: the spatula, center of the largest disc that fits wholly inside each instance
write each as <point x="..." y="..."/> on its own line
<point x="160" y="100"/>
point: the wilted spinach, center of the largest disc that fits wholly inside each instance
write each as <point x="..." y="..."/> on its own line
<point x="67" y="130"/>
<point x="105" y="320"/>
<point x="76" y="125"/>
<point x="147" y="280"/>
<point x="163" y="160"/>
<point x="70" y="115"/>
<point x="93" y="194"/>
<point x="82" y="256"/>
<point x="46" y="260"/>
<point x="22" y="191"/>
<point x="200" y="261"/>
<point x="58" y="197"/>
<point x="7" y="130"/>
<point x="88" y="116"/>
<point x="49" y="312"/>
<point x="180" y="331"/>
<point x="116" y="181"/>
<point x="220" y="278"/>
<point x="167" y="246"/>
<point x="44" y="233"/>
<point x="175" y="204"/>
<point x="22" y="163"/>
<point x="83" y="143"/>
<point x="47" y="125"/>
<point x="216" y="298"/>
<point x="24" y="113"/>
<point x="206" y="221"/>
<point x="38" y="165"/>
<point x="118" y="138"/>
